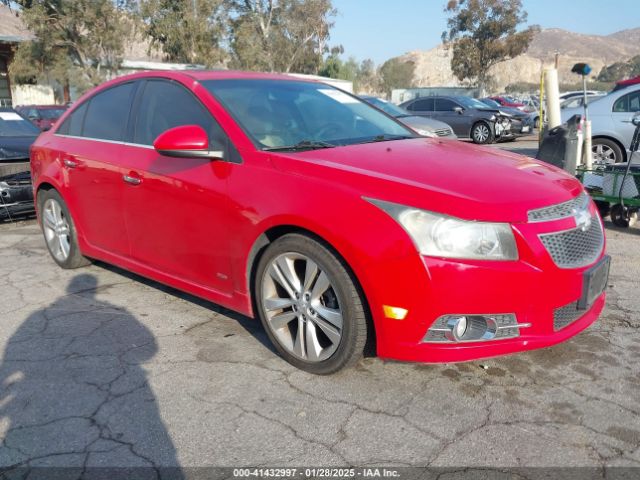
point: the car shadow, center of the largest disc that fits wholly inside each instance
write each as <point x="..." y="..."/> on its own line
<point x="75" y="400"/>
<point x="251" y="325"/>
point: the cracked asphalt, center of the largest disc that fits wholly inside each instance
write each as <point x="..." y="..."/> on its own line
<point x="101" y="368"/>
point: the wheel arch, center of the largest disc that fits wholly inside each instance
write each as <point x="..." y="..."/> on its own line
<point x="275" y="232"/>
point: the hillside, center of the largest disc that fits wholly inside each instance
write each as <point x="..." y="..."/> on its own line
<point x="433" y="66"/>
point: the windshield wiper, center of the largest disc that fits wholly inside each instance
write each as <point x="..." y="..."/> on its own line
<point x="386" y="138"/>
<point x="302" y="145"/>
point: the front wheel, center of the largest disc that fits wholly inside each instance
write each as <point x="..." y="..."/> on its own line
<point x="59" y="230"/>
<point x="309" y="305"/>
<point x="606" y="152"/>
<point x="481" y="133"/>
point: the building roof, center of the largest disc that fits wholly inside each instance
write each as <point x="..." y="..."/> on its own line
<point x="12" y="28"/>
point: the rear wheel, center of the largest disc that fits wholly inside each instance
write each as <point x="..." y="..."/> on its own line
<point x="623" y="216"/>
<point x="481" y="133"/>
<point x="59" y="230"/>
<point x="309" y="305"/>
<point x="536" y="123"/>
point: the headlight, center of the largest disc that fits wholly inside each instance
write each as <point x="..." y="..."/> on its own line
<point x="426" y="133"/>
<point x="439" y="235"/>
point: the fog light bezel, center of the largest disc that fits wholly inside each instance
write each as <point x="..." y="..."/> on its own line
<point x="479" y="328"/>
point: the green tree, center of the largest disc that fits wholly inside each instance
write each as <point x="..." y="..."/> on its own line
<point x="76" y="42"/>
<point x="483" y="33"/>
<point x="279" y="35"/>
<point x="620" y="70"/>
<point x="187" y="31"/>
<point x="396" y="73"/>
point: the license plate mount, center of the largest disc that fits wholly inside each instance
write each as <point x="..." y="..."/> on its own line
<point x="594" y="283"/>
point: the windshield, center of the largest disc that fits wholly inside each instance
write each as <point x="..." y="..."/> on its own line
<point x="387" y="107"/>
<point x="13" y="125"/>
<point x="490" y="103"/>
<point x="278" y="114"/>
<point x="468" y="102"/>
<point x="51" y="113"/>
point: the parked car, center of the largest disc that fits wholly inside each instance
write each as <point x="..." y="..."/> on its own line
<point x="522" y="123"/>
<point x="626" y="83"/>
<point x="508" y="102"/>
<point x="16" y="192"/>
<point x="427" y="127"/>
<point x="332" y="222"/>
<point x="579" y="93"/>
<point x="611" y="124"/>
<point x="42" y="116"/>
<point x="468" y="117"/>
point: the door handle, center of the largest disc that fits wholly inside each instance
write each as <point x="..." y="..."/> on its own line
<point x="132" y="180"/>
<point x="70" y="163"/>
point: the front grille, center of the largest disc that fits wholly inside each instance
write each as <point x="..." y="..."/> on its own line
<point x="443" y="132"/>
<point x="565" y="316"/>
<point x="560" y="210"/>
<point x="575" y="248"/>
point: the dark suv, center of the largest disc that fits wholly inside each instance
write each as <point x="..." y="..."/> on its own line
<point x="469" y="118"/>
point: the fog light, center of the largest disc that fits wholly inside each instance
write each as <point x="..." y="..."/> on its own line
<point x="473" y="328"/>
<point x="458" y="327"/>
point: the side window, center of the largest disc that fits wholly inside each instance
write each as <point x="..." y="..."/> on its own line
<point x="108" y="112"/>
<point x="425" y="105"/>
<point x="634" y="101"/>
<point x="166" y="105"/>
<point x="445" y="105"/>
<point x="73" y="123"/>
<point x="622" y="104"/>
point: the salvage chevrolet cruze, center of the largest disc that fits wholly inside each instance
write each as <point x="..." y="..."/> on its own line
<point x="333" y="223"/>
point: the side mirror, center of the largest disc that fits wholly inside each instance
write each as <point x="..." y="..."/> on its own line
<point x="636" y="119"/>
<point x="459" y="110"/>
<point x="187" y="141"/>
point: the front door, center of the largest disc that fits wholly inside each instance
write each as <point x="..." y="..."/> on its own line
<point x="177" y="208"/>
<point x="624" y="109"/>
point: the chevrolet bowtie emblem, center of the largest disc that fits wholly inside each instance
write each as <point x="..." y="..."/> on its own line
<point x="583" y="219"/>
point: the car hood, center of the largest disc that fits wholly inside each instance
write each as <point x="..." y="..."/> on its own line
<point x="455" y="178"/>
<point x="15" y="148"/>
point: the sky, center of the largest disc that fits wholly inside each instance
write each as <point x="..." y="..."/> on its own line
<point x="381" y="29"/>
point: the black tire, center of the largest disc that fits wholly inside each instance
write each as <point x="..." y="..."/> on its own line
<point x="605" y="143"/>
<point x="603" y="207"/>
<point x="482" y="133"/>
<point x="623" y="217"/>
<point x="75" y="259"/>
<point x="536" y="123"/>
<point x="354" y="324"/>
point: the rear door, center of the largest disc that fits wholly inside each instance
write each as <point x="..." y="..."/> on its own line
<point x="177" y="208"/>
<point x="90" y="157"/>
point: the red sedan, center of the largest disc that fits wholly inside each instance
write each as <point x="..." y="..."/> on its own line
<point x="42" y="116"/>
<point x="332" y="222"/>
<point x="508" y="102"/>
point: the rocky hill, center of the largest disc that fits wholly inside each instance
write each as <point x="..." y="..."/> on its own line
<point x="433" y="66"/>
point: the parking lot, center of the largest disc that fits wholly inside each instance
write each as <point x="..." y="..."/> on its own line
<point x="102" y="368"/>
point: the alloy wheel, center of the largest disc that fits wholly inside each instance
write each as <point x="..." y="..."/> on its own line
<point x="301" y="307"/>
<point x="603" y="155"/>
<point x="481" y="133"/>
<point x="56" y="230"/>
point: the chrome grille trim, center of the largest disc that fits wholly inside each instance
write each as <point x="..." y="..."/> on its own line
<point x="443" y="132"/>
<point x="575" y="248"/>
<point x="565" y="316"/>
<point x="559" y="210"/>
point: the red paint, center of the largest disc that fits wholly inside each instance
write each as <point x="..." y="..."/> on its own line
<point x="192" y="223"/>
<point x="187" y="137"/>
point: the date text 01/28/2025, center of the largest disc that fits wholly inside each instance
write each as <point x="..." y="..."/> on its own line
<point x="286" y="473"/>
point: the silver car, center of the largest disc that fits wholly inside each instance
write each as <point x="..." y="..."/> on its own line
<point x="427" y="127"/>
<point x="611" y="123"/>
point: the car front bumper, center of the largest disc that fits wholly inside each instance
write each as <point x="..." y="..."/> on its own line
<point x="533" y="288"/>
